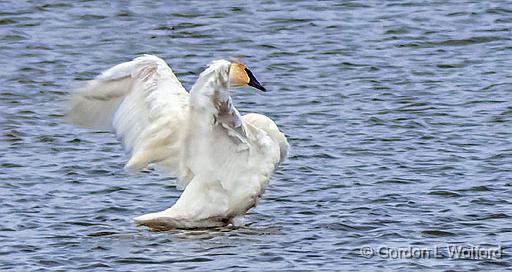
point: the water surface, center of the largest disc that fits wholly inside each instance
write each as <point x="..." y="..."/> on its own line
<point x="399" y="114"/>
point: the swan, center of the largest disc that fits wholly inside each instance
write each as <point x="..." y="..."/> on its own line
<point x="222" y="160"/>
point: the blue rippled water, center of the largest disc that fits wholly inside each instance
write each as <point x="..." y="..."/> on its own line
<point x="399" y="114"/>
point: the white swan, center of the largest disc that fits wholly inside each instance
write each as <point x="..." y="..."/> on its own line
<point x="222" y="159"/>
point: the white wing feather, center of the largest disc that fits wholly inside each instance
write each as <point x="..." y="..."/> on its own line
<point x="270" y="128"/>
<point x="144" y="103"/>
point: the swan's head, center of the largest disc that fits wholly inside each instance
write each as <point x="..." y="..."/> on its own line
<point x="241" y="76"/>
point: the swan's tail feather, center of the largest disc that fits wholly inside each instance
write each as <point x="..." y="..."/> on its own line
<point x="161" y="221"/>
<point x="157" y="221"/>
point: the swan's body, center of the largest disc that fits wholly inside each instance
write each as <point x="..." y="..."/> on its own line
<point x="223" y="160"/>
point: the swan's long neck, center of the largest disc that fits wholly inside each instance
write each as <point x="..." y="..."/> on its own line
<point x="211" y="87"/>
<point x="210" y="101"/>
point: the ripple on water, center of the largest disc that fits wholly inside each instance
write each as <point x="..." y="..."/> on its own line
<point x="398" y="115"/>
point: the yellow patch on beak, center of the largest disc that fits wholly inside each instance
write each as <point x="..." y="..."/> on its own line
<point x="238" y="77"/>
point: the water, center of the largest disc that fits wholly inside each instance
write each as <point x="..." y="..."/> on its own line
<point x="399" y="114"/>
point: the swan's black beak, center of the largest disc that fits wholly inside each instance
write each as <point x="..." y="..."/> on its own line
<point x="253" y="82"/>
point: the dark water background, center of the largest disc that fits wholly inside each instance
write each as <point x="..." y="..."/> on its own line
<point x="399" y="114"/>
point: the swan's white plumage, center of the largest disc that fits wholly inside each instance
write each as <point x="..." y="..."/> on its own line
<point x="224" y="160"/>
<point x="144" y="103"/>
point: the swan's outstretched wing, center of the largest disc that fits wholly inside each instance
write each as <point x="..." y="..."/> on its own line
<point x="144" y="103"/>
<point x="266" y="124"/>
